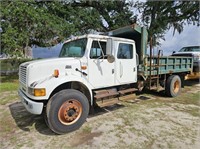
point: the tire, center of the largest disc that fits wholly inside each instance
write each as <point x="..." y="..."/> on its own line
<point x="173" y="86"/>
<point x="67" y="111"/>
<point x="44" y="114"/>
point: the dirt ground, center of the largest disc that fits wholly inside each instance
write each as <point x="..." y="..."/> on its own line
<point x="151" y="120"/>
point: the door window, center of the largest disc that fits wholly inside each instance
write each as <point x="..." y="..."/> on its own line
<point x="98" y="49"/>
<point x="125" y="51"/>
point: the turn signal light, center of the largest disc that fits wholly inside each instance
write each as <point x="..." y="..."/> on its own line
<point x="83" y="67"/>
<point x="40" y="92"/>
<point x="56" y="73"/>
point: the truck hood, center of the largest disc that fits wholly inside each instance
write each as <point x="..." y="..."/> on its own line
<point x="48" y="61"/>
<point x="186" y="53"/>
<point x="39" y="70"/>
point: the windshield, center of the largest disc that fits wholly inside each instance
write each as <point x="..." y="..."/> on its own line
<point x="74" y="48"/>
<point x="190" y="49"/>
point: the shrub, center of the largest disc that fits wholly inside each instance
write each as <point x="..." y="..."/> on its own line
<point x="11" y="66"/>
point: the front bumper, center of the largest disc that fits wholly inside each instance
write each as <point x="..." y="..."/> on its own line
<point x="31" y="106"/>
<point x="193" y="75"/>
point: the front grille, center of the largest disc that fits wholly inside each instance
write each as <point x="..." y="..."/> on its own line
<point x="22" y="74"/>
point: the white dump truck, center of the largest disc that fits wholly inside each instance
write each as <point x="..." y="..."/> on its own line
<point x="92" y="68"/>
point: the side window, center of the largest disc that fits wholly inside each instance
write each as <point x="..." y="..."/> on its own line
<point x="125" y="51"/>
<point x="97" y="48"/>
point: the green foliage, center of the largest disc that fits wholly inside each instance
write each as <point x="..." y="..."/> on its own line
<point x="160" y="16"/>
<point x="25" y="23"/>
<point x="45" y="23"/>
<point x="11" y="66"/>
<point x="9" y="79"/>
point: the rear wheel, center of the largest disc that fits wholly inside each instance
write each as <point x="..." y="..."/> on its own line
<point x="173" y="86"/>
<point x="66" y="111"/>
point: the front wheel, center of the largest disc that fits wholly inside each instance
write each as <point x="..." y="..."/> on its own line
<point x="66" y="111"/>
<point x="173" y="86"/>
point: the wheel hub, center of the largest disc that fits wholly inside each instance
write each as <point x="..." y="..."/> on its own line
<point x="176" y="86"/>
<point x="69" y="112"/>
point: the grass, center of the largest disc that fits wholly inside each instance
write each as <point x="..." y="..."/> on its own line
<point x="8" y="99"/>
<point x="183" y="98"/>
<point x="8" y="83"/>
<point x="193" y="98"/>
<point x="18" y="121"/>
<point x="8" y="89"/>
<point x="87" y="129"/>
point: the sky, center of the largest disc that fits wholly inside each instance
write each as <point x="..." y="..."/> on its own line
<point x="49" y="52"/>
<point x="189" y="37"/>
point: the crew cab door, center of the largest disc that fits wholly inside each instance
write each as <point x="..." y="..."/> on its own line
<point x="100" y="71"/>
<point x="125" y="64"/>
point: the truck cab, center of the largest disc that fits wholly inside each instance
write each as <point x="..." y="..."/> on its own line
<point x="103" y="73"/>
<point x="85" y="64"/>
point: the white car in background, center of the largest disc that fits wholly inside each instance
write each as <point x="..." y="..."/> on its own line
<point x="193" y="51"/>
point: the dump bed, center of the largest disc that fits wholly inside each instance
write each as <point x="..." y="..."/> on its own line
<point x="166" y="65"/>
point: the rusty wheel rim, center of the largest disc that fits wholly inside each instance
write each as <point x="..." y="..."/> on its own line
<point x="176" y="86"/>
<point x="69" y="112"/>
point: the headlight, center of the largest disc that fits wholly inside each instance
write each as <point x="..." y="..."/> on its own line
<point x="37" y="91"/>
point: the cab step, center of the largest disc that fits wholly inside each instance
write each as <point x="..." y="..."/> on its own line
<point x="108" y="97"/>
<point x="105" y="93"/>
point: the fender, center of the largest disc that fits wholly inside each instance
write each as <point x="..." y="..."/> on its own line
<point x="52" y="83"/>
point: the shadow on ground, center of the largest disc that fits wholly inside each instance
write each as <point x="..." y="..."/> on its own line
<point x="26" y="121"/>
<point x="103" y="110"/>
<point x="162" y="92"/>
<point x="192" y="82"/>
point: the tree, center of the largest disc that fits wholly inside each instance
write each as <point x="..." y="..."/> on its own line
<point x="113" y="13"/>
<point x="45" y="23"/>
<point x="160" y="16"/>
<point x="27" y="23"/>
<point x="37" y="22"/>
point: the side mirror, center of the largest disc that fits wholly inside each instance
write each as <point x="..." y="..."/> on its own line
<point x="109" y="46"/>
<point x="173" y="52"/>
<point x="109" y="51"/>
<point x="110" y="58"/>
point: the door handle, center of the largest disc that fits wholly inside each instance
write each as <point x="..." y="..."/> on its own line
<point x="121" y="70"/>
